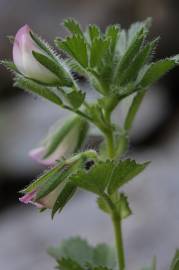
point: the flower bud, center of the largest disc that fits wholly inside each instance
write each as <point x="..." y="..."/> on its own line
<point x="24" y="60"/>
<point x="45" y="191"/>
<point x="61" y="142"/>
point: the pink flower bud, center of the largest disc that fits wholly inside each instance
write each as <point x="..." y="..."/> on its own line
<point x="25" y="61"/>
<point x="46" y="202"/>
<point x="68" y="139"/>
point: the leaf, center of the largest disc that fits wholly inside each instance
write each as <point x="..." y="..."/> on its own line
<point x="175" y="261"/>
<point x="75" y="98"/>
<point x="133" y="109"/>
<point x="113" y="33"/>
<point x="98" y="48"/>
<point x="130" y="74"/>
<point x="54" y="67"/>
<point x="83" y="254"/>
<point x="129" y="54"/>
<point x="75" y="248"/>
<point x="64" y="196"/>
<point x="93" y="32"/>
<point x="104" y="255"/>
<point x="123" y="172"/>
<point x="73" y="26"/>
<point x="121" y="43"/>
<point x="96" y="179"/>
<point x="34" y="87"/>
<point x="68" y="264"/>
<point x="76" y="47"/>
<point x="156" y="70"/>
<point x="121" y="203"/>
<point x="138" y="26"/>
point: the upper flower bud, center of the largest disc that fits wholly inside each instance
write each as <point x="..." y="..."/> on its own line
<point x="61" y="142"/>
<point x="24" y="60"/>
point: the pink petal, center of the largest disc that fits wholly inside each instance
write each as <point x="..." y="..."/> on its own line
<point x="38" y="153"/>
<point x="27" y="198"/>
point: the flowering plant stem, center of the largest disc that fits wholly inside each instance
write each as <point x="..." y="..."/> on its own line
<point x="117" y="64"/>
<point x="116" y="219"/>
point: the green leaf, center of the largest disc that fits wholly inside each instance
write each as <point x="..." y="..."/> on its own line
<point x="121" y="44"/>
<point x="64" y="196"/>
<point x="137" y="27"/>
<point x="93" y="32"/>
<point x="75" y="248"/>
<point x="76" y="47"/>
<point x="156" y="70"/>
<point x="96" y="179"/>
<point x="98" y="48"/>
<point x="123" y="172"/>
<point x="129" y="54"/>
<point x="130" y="74"/>
<point x="113" y="33"/>
<point x="75" y="98"/>
<point x="34" y="87"/>
<point x="83" y="254"/>
<point x="73" y="26"/>
<point x="121" y="204"/>
<point x="133" y="109"/>
<point x="68" y="264"/>
<point x="104" y="255"/>
<point x="175" y="261"/>
<point x="54" y="67"/>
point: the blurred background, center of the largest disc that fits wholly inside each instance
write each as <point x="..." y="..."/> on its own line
<point x="24" y="120"/>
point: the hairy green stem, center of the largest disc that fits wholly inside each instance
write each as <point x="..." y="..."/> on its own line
<point x="119" y="241"/>
<point x="116" y="220"/>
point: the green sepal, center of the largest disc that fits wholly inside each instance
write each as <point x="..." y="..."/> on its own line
<point x="59" y="134"/>
<point x="64" y="78"/>
<point x="64" y="196"/>
<point x="34" y="87"/>
<point x="59" y="177"/>
<point x="9" y="65"/>
<point x="123" y="172"/>
<point x="43" y="45"/>
<point x="43" y="178"/>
